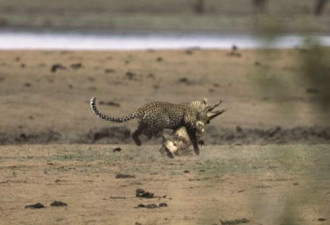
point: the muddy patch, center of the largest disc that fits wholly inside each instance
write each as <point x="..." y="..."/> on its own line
<point x="58" y="204"/>
<point x="35" y="206"/>
<point x="152" y="205"/>
<point x="274" y="135"/>
<point x="115" y="134"/>
<point x="213" y="136"/>
<point x="141" y="193"/>
<point x="123" y="176"/>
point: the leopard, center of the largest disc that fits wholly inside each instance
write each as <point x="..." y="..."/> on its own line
<point x="156" y="116"/>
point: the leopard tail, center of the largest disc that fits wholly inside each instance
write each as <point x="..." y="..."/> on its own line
<point x="111" y="118"/>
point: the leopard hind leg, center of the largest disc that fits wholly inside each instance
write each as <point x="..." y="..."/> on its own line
<point x="142" y="129"/>
<point x="148" y="133"/>
<point x="157" y="133"/>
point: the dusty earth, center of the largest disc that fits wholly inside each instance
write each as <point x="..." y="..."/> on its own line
<point x="266" y="160"/>
<point x="45" y="94"/>
<point x="274" y="184"/>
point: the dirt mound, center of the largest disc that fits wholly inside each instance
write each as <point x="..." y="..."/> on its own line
<point x="29" y="137"/>
<point x="274" y="135"/>
<point x="213" y="135"/>
<point x="103" y="135"/>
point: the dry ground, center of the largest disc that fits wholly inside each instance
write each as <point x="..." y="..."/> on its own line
<point x="286" y="184"/>
<point x="261" y="89"/>
<point x="272" y="184"/>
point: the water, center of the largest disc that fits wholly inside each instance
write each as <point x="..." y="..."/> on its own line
<point x="18" y="40"/>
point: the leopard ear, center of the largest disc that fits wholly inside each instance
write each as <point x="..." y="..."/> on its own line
<point x="205" y="101"/>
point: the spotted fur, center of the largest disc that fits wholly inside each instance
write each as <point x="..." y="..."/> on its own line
<point x="154" y="117"/>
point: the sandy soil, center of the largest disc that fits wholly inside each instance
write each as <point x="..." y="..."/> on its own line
<point x="45" y="94"/>
<point x="45" y="99"/>
<point x="260" y="184"/>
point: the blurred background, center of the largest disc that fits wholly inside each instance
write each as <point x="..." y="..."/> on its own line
<point x="276" y="92"/>
<point x="187" y="15"/>
<point x="284" y="85"/>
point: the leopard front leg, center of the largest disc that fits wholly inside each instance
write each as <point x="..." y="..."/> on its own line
<point x="190" y="120"/>
<point x="136" y="135"/>
<point x="193" y="137"/>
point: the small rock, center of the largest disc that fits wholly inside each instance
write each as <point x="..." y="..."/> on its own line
<point x="35" y="206"/>
<point x="139" y="190"/>
<point x="116" y="149"/>
<point x="140" y="193"/>
<point x="23" y="136"/>
<point x="124" y="176"/>
<point x="56" y="67"/>
<point x="145" y="195"/>
<point x="58" y="203"/>
<point x="76" y="65"/>
<point x="141" y="205"/>
<point x="184" y="80"/>
<point x="163" y="204"/>
<point x="130" y="75"/>
<point x="109" y="71"/>
<point x="239" y="129"/>
<point x="151" y="206"/>
<point x="148" y="206"/>
<point x="321" y="219"/>
<point x="233" y="222"/>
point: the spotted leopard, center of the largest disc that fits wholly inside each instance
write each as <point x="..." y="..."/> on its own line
<point x="156" y="116"/>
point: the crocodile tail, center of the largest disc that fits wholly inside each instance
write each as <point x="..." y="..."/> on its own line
<point x="110" y="118"/>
